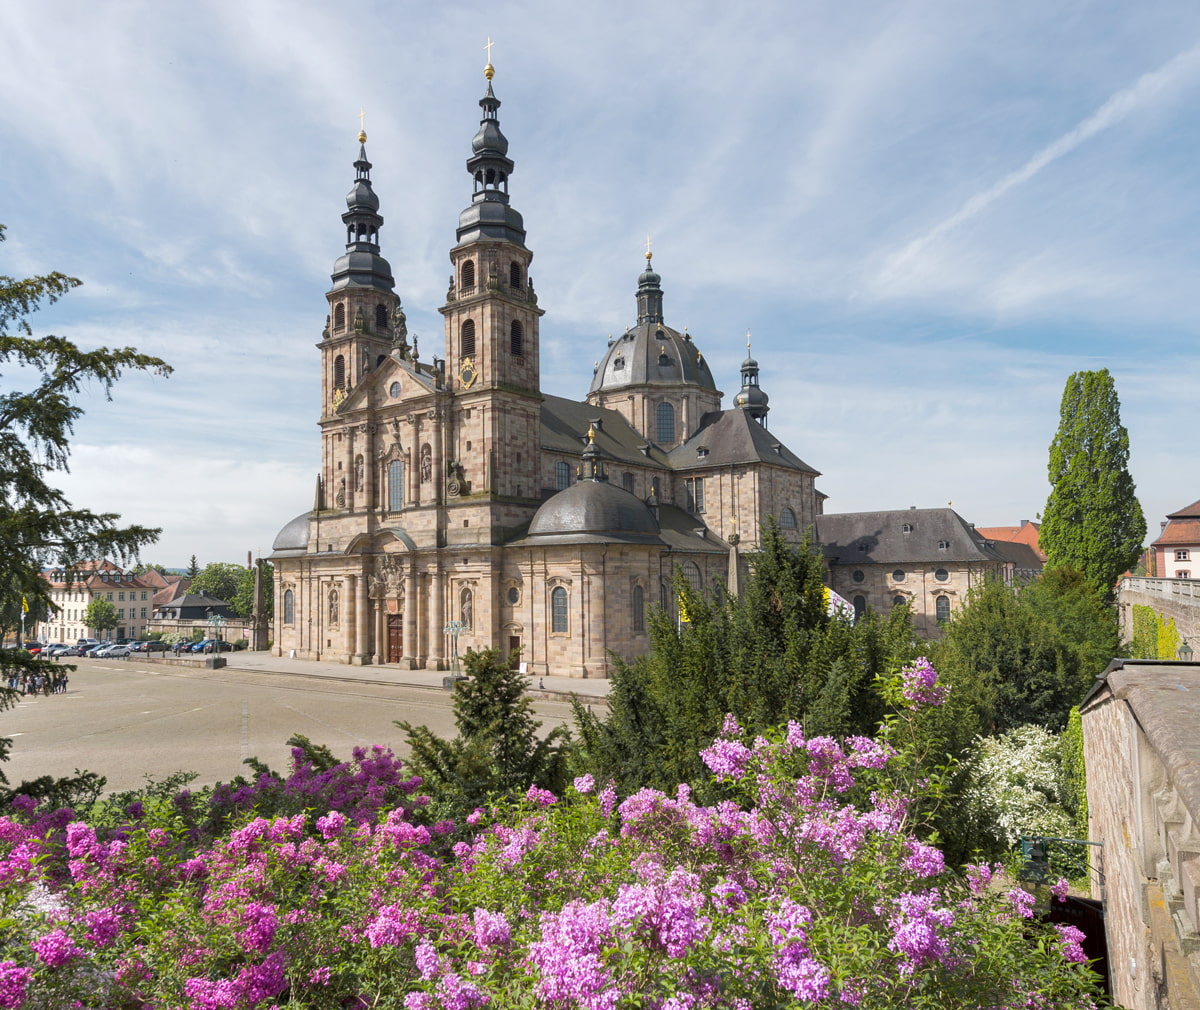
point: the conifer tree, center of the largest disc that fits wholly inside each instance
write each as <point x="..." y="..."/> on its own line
<point x="1092" y="520"/>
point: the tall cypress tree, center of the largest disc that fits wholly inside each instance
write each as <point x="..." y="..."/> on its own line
<point x="1092" y="520"/>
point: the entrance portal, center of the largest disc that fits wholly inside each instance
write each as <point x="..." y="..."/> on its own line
<point x="514" y="651"/>
<point x="395" y="637"/>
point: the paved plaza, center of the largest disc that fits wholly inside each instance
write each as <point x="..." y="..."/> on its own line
<point x="129" y="719"/>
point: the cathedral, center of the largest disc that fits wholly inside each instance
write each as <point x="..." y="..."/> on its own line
<point x="459" y="506"/>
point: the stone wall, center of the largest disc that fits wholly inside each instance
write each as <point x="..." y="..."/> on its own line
<point x="1177" y="598"/>
<point x="1141" y="747"/>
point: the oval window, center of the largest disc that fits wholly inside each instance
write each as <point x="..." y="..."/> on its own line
<point x="898" y="575"/>
<point x="514" y="595"/>
<point x="394" y="390"/>
<point x="858" y="575"/>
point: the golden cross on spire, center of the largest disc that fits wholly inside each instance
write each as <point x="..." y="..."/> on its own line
<point x="489" y="71"/>
<point x="648" y="252"/>
<point x="362" y="133"/>
<point x="747" y="340"/>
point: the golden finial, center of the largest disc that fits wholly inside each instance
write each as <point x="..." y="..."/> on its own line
<point x="362" y="133"/>
<point x="649" y="254"/>
<point x="591" y="434"/>
<point x="489" y="71"/>
<point x="747" y="340"/>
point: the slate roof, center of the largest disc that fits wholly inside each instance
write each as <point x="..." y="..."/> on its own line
<point x="732" y="437"/>
<point x="849" y="538"/>
<point x="564" y="429"/>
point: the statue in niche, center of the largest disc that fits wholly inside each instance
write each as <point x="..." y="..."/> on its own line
<point x="358" y="473"/>
<point x="341" y="495"/>
<point x="467" y="609"/>
<point x="333" y="608"/>
<point x="426" y="465"/>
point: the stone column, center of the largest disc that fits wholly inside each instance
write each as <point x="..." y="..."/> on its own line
<point x="437" y="618"/>
<point x="381" y="632"/>
<point x="350" y="615"/>
<point x="410" y="615"/>
<point x="362" y="615"/>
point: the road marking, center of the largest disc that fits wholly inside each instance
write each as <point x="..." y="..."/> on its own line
<point x="245" y="729"/>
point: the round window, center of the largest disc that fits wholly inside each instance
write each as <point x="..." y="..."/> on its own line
<point x="394" y="390"/>
<point x="858" y="575"/>
<point x="898" y="575"/>
<point x="942" y="575"/>
<point x="514" y="595"/>
<point x="898" y="601"/>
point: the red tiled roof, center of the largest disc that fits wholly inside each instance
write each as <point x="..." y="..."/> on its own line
<point x="1190" y="512"/>
<point x="1026" y="533"/>
<point x="1180" y="531"/>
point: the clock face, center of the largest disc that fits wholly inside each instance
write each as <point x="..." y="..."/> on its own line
<point x="467" y="373"/>
<point x="394" y="390"/>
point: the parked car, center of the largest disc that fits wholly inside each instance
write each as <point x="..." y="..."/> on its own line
<point x="57" y="649"/>
<point x="34" y="648"/>
<point x="155" y="646"/>
<point x="118" y="651"/>
<point x="87" y="641"/>
<point x="105" y="650"/>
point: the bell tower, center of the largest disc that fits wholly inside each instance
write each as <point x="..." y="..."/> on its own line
<point x="363" y="306"/>
<point x="491" y="322"/>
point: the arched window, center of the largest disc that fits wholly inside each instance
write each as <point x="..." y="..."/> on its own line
<point x="942" y="603"/>
<point x="860" y="606"/>
<point x="466" y="345"/>
<point x="466" y="608"/>
<point x="516" y="339"/>
<point x="381" y="318"/>
<point x="562" y="475"/>
<point x="639" y="610"/>
<point x="514" y="275"/>
<point x="664" y="417"/>
<point x="559" y="619"/>
<point x="691" y="572"/>
<point x="339" y="316"/>
<point x="395" y="485"/>
<point x="289" y="607"/>
<point x="339" y="372"/>
<point x="787" y="519"/>
<point x="466" y="274"/>
<point x="898" y="601"/>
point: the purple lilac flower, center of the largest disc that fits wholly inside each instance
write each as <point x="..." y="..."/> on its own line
<point x="915" y="925"/>
<point x="585" y="784"/>
<point x="1072" y="938"/>
<point x="979" y="877"/>
<point x="924" y="860"/>
<point x="458" y="994"/>
<point x="104" y="926"/>
<point x="428" y="962"/>
<point x="567" y="957"/>
<point x="13" y="981"/>
<point x="56" y="948"/>
<point x="1059" y="889"/>
<point x="608" y="800"/>
<point x="1022" y="901"/>
<point x="331" y="825"/>
<point x="491" y="928"/>
<point x="261" y="923"/>
<point x="920" y="686"/>
<point x="726" y="758"/>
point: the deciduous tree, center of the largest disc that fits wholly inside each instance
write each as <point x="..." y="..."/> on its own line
<point x="1092" y="520"/>
<point x="220" y="580"/>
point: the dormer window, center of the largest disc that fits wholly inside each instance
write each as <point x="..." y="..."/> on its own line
<point x="943" y="545"/>
<point x="701" y="451"/>
<point x="618" y="363"/>
<point x="906" y="528"/>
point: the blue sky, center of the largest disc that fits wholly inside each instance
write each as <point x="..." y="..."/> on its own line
<point x="927" y="214"/>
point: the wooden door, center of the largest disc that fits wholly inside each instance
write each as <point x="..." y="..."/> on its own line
<point x="514" y="651"/>
<point x="395" y="637"/>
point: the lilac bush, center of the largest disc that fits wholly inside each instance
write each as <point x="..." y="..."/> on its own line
<point x="807" y="886"/>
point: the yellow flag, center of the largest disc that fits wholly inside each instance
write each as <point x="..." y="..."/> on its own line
<point x="24" y="605"/>
<point x="684" y="616"/>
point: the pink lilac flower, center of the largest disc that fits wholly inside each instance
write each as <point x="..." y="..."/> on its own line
<point x="56" y="948"/>
<point x="1059" y="889"/>
<point x="920" y="686"/>
<point x="418" y="1001"/>
<point x="568" y="957"/>
<point x="459" y="994"/>
<point x="475" y="816"/>
<point x="261" y="923"/>
<point x="608" y="800"/>
<point x="104" y="926"/>
<point x="320" y="976"/>
<point x="585" y="784"/>
<point x="331" y="825"/>
<point x="13" y="982"/>
<point x="541" y="797"/>
<point x="1072" y="939"/>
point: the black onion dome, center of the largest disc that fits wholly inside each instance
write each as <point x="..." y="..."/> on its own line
<point x="593" y="508"/>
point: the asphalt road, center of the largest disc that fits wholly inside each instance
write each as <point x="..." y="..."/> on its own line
<point x="125" y="721"/>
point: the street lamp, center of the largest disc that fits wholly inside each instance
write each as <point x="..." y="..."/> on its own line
<point x="1184" y="652"/>
<point x="453" y="629"/>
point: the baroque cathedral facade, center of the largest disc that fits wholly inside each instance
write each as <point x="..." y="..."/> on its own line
<point x="459" y="506"/>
